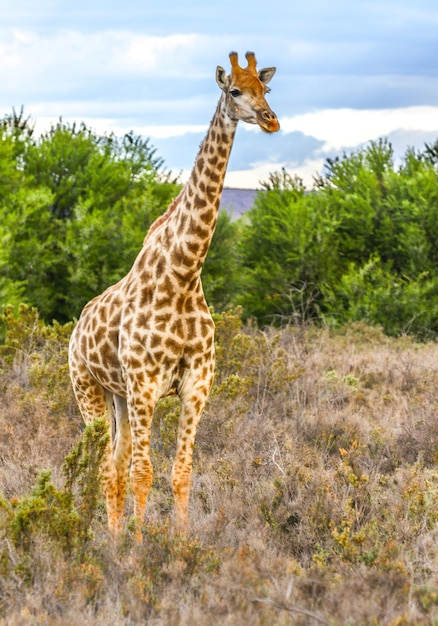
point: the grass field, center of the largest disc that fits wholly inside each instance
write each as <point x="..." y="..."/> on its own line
<point x="314" y="501"/>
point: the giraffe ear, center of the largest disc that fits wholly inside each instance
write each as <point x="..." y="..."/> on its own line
<point x="221" y="77"/>
<point x="266" y="74"/>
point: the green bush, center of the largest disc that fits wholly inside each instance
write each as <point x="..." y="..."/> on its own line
<point x="378" y="297"/>
<point x="62" y="517"/>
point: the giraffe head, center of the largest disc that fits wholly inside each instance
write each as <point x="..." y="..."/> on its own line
<point x="245" y="90"/>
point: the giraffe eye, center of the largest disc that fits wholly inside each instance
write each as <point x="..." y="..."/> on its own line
<point x="235" y="93"/>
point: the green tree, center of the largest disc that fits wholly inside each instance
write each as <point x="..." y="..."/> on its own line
<point x="280" y="258"/>
<point x="221" y="271"/>
<point x="78" y="165"/>
<point x="397" y="304"/>
<point x="74" y="212"/>
<point x="361" y="244"/>
<point x="378" y="209"/>
<point x="9" y="174"/>
<point x="351" y="196"/>
<point x="19" y="130"/>
<point x="101" y="244"/>
<point x="392" y="282"/>
<point x="32" y="258"/>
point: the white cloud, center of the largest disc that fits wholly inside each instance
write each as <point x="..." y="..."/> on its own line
<point x="68" y="56"/>
<point x="251" y="178"/>
<point x="111" y="125"/>
<point x="138" y="53"/>
<point x="164" y="132"/>
<point x="343" y="128"/>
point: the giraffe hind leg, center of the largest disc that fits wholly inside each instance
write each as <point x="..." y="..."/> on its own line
<point x="94" y="402"/>
<point x="122" y="451"/>
<point x="192" y="405"/>
<point x="141" y="403"/>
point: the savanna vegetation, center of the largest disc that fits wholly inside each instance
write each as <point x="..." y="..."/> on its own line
<point x="315" y="495"/>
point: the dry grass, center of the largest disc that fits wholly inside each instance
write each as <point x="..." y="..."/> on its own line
<point x="315" y="495"/>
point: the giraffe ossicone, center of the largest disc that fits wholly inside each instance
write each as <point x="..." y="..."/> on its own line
<point x="151" y="334"/>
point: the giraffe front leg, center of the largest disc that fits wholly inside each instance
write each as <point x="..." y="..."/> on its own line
<point x="122" y="451"/>
<point x="192" y="406"/>
<point x="140" y="409"/>
<point x="141" y="482"/>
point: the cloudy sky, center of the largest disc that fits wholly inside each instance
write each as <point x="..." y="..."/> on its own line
<point x="347" y="72"/>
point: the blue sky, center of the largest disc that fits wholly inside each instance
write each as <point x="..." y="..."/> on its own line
<point x="347" y="73"/>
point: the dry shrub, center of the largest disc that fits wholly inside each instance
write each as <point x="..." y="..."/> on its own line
<point x="314" y="496"/>
<point x="38" y="416"/>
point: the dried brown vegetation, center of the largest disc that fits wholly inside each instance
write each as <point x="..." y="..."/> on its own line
<point x="315" y="496"/>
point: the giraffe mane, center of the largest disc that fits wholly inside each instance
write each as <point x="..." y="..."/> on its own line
<point x="163" y="218"/>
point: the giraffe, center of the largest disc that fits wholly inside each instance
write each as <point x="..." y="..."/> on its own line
<point x="151" y="334"/>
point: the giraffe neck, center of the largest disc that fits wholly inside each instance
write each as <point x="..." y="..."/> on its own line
<point x="191" y="219"/>
<point x="204" y="187"/>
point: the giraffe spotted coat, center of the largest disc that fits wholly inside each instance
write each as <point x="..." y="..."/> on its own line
<point x="151" y="334"/>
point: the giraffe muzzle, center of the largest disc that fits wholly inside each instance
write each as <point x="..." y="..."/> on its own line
<point x="268" y="121"/>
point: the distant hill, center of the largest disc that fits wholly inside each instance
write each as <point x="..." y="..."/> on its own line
<point x="237" y="201"/>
